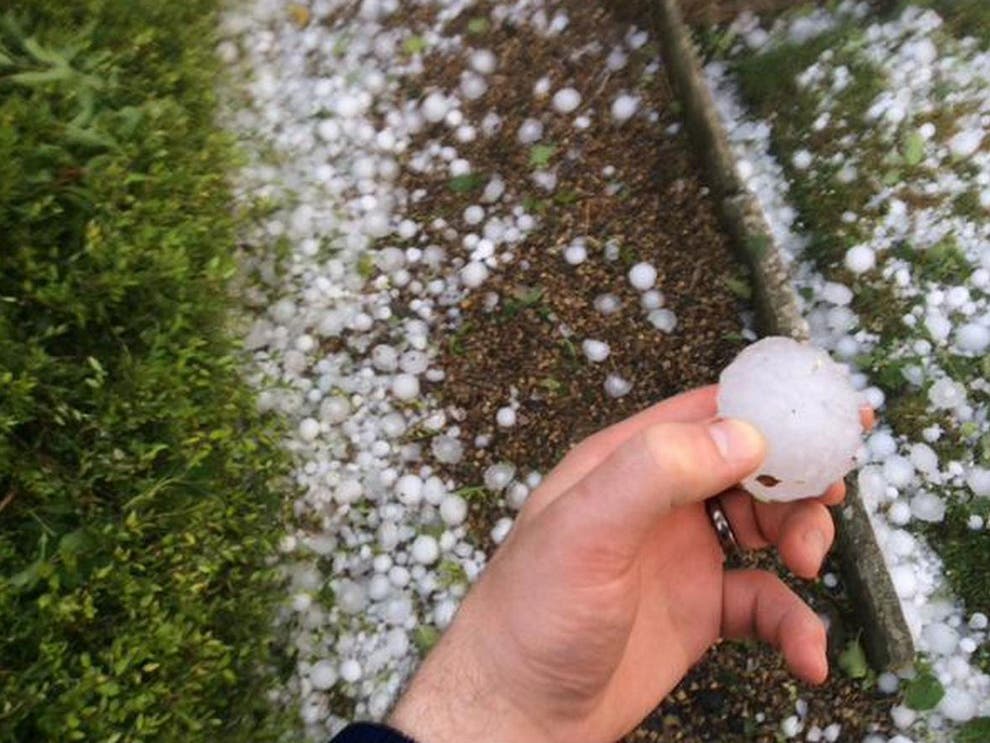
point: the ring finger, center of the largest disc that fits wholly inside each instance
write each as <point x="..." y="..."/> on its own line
<point x="802" y="531"/>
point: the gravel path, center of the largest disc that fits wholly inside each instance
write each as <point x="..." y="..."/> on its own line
<point x="478" y="236"/>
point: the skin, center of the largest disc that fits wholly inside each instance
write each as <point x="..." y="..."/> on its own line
<point x="611" y="586"/>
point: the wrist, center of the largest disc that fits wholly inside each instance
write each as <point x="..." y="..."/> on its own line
<point x="453" y="698"/>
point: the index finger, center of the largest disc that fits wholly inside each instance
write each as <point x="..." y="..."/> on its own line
<point x="696" y="405"/>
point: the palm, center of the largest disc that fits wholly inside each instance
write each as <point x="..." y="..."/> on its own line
<point x="611" y="586"/>
<point x="680" y="592"/>
<point x="641" y="628"/>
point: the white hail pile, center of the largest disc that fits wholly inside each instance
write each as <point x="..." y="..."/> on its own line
<point x="901" y="480"/>
<point x="377" y="554"/>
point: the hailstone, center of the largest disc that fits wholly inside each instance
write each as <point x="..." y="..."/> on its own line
<point x="807" y="410"/>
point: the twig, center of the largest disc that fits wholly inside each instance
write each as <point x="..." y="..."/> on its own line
<point x="7" y="499"/>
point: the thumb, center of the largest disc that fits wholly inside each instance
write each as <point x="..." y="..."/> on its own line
<point x="662" y="467"/>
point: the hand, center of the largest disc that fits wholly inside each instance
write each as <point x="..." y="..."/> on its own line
<point x="611" y="586"/>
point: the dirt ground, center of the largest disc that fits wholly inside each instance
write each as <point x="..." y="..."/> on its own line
<point x="637" y="187"/>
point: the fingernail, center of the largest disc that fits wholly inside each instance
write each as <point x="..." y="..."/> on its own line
<point x="737" y="441"/>
<point x="815" y="539"/>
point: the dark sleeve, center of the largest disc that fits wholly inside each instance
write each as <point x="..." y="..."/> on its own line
<point x="366" y="732"/>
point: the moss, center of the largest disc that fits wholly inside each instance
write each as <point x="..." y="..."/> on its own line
<point x="943" y="263"/>
<point x="964" y="17"/>
<point x="769" y="87"/>
<point x="136" y="478"/>
<point x="768" y="84"/>
<point x="967" y="205"/>
<point x="966" y="554"/>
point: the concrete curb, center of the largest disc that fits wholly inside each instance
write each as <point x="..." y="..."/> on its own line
<point x="887" y="639"/>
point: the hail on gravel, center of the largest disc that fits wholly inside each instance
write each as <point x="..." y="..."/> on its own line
<point x="378" y="554"/>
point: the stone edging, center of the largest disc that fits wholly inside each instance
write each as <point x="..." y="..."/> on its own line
<point x="887" y="639"/>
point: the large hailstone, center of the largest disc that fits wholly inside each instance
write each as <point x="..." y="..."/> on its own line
<point x="807" y="410"/>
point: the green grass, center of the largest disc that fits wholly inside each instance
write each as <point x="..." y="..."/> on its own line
<point x="768" y="85"/>
<point x="136" y="479"/>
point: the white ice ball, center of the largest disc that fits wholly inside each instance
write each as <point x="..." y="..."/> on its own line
<point x="409" y="490"/>
<point x="594" y="350"/>
<point x="624" y="107"/>
<point x="501" y="530"/>
<point x="483" y="61"/>
<point x="575" y="254"/>
<point x="309" y="429"/>
<point x="973" y="337"/>
<point x="566" y="100"/>
<point x="505" y="417"/>
<point x="453" y="510"/>
<point x="642" y="276"/>
<point x="860" y="259"/>
<point x="530" y="131"/>
<point x="351" y="671"/>
<point x="435" y="107"/>
<point x="323" y="675"/>
<point x="425" y="549"/>
<point x="807" y="410"/>
<point x="978" y="480"/>
<point x="405" y="386"/>
<point x="617" y="386"/>
<point x="607" y="304"/>
<point x="474" y="274"/>
<point x="958" y="705"/>
<point x="663" y="320"/>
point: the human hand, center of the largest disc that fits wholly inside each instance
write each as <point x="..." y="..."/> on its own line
<point x="611" y="586"/>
